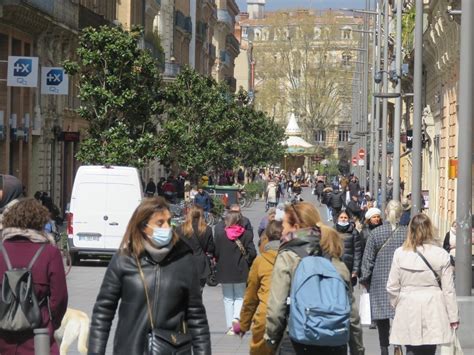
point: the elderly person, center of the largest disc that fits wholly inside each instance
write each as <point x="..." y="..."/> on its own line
<point x="381" y="245"/>
<point x="421" y="289"/>
<point x="372" y="219"/>
<point x="23" y="239"/>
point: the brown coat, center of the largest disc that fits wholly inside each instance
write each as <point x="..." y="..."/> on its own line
<point x="423" y="311"/>
<point x="254" y="307"/>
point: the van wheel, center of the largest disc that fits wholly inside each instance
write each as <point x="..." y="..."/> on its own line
<point x="75" y="261"/>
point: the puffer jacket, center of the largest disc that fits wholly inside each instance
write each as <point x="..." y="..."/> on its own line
<point x="173" y="287"/>
<point x="352" y="247"/>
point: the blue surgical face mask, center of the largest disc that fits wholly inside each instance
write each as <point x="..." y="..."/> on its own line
<point x="343" y="224"/>
<point x="162" y="236"/>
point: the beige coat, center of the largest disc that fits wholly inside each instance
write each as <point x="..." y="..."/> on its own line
<point x="423" y="311"/>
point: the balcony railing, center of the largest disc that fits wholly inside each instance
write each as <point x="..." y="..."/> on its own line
<point x="183" y="22"/>
<point x="224" y="16"/>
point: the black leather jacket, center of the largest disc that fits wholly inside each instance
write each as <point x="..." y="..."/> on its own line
<point x="352" y="247"/>
<point x="173" y="287"/>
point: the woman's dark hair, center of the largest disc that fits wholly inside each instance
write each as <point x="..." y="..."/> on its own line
<point x="274" y="230"/>
<point x="232" y="218"/>
<point x="27" y="213"/>
<point x="132" y="242"/>
<point x="346" y="212"/>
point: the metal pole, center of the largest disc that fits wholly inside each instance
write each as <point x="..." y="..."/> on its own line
<point x="364" y="168"/>
<point x="385" y="110"/>
<point x="418" y="77"/>
<point x="464" y="186"/>
<point x="372" y="115"/>
<point x="377" y="105"/>
<point x="398" y="106"/>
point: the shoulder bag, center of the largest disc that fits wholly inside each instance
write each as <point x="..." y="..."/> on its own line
<point x="243" y="251"/>
<point x="163" y="341"/>
<point x="437" y="277"/>
<point x="211" y="279"/>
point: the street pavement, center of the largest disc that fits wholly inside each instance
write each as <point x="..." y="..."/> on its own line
<point x="84" y="282"/>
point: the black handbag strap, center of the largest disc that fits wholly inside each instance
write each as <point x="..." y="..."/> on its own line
<point x="437" y="277"/>
<point x="148" y="306"/>
<point x="241" y="247"/>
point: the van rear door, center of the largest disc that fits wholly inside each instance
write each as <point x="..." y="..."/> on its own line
<point x="88" y="205"/>
<point x="123" y="197"/>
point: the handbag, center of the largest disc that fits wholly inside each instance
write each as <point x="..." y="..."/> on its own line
<point x="437" y="277"/>
<point x="212" y="277"/>
<point x="163" y="341"/>
<point x="452" y="348"/>
<point x="398" y="350"/>
<point x="364" y="309"/>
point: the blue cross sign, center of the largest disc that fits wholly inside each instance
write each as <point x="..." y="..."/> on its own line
<point x="22" y="67"/>
<point x="54" y="77"/>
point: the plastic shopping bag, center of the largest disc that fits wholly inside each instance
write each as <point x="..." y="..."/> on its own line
<point x="453" y="348"/>
<point x="364" y="309"/>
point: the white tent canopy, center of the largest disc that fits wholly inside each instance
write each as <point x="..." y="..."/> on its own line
<point x="294" y="133"/>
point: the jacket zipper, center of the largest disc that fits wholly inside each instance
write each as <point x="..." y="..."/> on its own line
<point x="155" y="293"/>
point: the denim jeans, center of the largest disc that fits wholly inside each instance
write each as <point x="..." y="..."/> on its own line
<point x="233" y="299"/>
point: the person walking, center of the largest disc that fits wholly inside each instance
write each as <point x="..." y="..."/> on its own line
<point x="421" y="289"/>
<point x="449" y="242"/>
<point x="24" y="242"/>
<point x="254" y="308"/>
<point x="352" y="245"/>
<point x="234" y="252"/>
<point x="203" y="200"/>
<point x="319" y="188"/>
<point x="198" y="236"/>
<point x="373" y="219"/>
<point x="11" y="190"/>
<point x="153" y="278"/>
<point x="378" y="254"/>
<point x="336" y="202"/>
<point x="301" y="236"/>
<point x="150" y="188"/>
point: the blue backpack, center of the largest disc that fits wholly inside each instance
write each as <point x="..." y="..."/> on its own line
<point x="319" y="304"/>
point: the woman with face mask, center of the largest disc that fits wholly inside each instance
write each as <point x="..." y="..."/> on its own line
<point x="154" y="278"/>
<point x="352" y="245"/>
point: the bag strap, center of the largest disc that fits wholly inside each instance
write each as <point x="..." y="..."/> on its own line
<point x="198" y="237"/>
<point x="386" y="242"/>
<point x="241" y="247"/>
<point x="35" y="257"/>
<point x="148" y="306"/>
<point x="30" y="265"/>
<point x="437" y="277"/>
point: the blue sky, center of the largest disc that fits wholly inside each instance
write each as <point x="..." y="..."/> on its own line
<point x="318" y="4"/>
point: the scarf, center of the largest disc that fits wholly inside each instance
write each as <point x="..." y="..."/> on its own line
<point x="157" y="253"/>
<point x="32" y="235"/>
<point x="272" y="245"/>
<point x="234" y="232"/>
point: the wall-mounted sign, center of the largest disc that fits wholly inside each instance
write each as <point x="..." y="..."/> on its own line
<point x="54" y="81"/>
<point x="69" y="136"/>
<point x="22" y="71"/>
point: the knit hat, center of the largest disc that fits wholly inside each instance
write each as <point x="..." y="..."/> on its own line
<point x="372" y="212"/>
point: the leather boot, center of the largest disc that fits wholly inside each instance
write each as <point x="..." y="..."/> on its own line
<point x="384" y="350"/>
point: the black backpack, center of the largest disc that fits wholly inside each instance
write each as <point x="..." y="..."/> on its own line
<point x="19" y="306"/>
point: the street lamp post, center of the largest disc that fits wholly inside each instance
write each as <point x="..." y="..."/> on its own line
<point x="464" y="187"/>
<point x="385" y="111"/>
<point x="417" y="114"/>
<point x="377" y="104"/>
<point x="398" y="106"/>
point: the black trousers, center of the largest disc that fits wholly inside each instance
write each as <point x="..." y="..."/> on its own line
<point x="383" y="327"/>
<point x="421" y="350"/>
<point x="289" y="347"/>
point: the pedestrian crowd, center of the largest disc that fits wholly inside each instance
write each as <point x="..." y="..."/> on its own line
<point x="294" y="291"/>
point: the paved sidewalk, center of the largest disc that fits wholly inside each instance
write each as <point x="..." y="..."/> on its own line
<point x="84" y="283"/>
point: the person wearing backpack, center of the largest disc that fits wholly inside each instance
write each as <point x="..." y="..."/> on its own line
<point x="198" y="236"/>
<point x="376" y="262"/>
<point x="26" y="248"/>
<point x="254" y="308"/>
<point x="299" y="260"/>
<point x="235" y="252"/>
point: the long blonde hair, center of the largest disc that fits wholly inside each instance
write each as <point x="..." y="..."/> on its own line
<point x="303" y="214"/>
<point x="420" y="231"/>
<point x="195" y="213"/>
<point x="331" y="241"/>
<point x="393" y="212"/>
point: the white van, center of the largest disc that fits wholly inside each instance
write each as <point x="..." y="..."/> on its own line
<point x="102" y="202"/>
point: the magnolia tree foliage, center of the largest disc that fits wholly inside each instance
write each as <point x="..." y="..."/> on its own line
<point x="206" y="129"/>
<point x="119" y="88"/>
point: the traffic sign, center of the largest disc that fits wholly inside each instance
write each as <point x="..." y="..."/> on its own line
<point x="361" y="153"/>
<point x="54" y="81"/>
<point x="354" y="161"/>
<point x="22" y="71"/>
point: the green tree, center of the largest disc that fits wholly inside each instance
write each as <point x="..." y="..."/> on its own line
<point x="200" y="127"/>
<point x="119" y="88"/>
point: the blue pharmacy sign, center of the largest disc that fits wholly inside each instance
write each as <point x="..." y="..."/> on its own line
<point x="54" y="81"/>
<point x="22" y="71"/>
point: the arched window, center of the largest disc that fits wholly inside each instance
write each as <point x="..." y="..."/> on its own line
<point x="346" y="33"/>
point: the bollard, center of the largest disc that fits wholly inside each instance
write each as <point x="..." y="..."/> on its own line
<point x="42" y="341"/>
